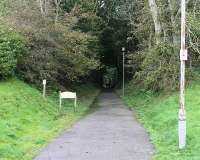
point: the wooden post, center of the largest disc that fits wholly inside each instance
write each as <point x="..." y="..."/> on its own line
<point x="44" y="87"/>
<point x="60" y="100"/>
<point x="183" y="58"/>
<point x="75" y="104"/>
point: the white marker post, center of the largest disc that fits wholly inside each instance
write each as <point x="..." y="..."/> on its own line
<point x="44" y="82"/>
<point x="183" y="58"/>
<point x="68" y="95"/>
<point x="123" y="88"/>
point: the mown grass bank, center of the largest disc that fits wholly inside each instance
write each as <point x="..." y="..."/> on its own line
<point x="28" y="121"/>
<point x="159" y="115"/>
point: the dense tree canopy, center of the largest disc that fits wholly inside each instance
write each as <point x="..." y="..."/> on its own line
<point x="68" y="39"/>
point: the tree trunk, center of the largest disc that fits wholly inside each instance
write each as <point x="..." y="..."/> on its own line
<point x="41" y="7"/>
<point x="157" y="23"/>
<point x="173" y="23"/>
<point x="44" y="7"/>
<point x="57" y="3"/>
<point x="194" y="8"/>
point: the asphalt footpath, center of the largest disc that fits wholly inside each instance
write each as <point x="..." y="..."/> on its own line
<point x="109" y="133"/>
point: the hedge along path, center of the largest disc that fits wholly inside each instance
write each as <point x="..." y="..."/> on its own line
<point x="109" y="133"/>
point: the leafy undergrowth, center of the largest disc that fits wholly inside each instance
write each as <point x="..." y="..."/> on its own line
<point x="159" y="115"/>
<point x="28" y="121"/>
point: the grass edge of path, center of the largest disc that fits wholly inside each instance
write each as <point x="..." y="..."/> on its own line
<point x="158" y="113"/>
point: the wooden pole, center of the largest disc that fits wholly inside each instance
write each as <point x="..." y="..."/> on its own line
<point x="75" y="104"/>
<point x="44" y="87"/>
<point x="60" y="100"/>
<point x="183" y="58"/>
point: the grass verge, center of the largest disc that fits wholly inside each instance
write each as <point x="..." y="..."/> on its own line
<point x="159" y="115"/>
<point x="28" y="121"/>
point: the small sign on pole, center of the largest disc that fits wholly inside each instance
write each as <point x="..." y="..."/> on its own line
<point x="44" y="87"/>
<point x="68" y="95"/>
<point x="183" y="54"/>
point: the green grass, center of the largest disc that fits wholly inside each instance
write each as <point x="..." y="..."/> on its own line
<point x="28" y="122"/>
<point x="159" y="115"/>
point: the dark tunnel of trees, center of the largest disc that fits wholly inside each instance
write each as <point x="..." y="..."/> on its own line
<point x="70" y="42"/>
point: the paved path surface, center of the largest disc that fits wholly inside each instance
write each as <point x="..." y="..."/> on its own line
<point x="110" y="133"/>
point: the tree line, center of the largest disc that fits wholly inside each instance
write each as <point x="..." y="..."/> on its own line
<point x="65" y="41"/>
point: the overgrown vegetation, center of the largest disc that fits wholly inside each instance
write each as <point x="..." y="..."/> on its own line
<point x="159" y="69"/>
<point x="155" y="29"/>
<point x="56" y="50"/>
<point x="67" y="40"/>
<point x="11" y="48"/>
<point x="28" y="121"/>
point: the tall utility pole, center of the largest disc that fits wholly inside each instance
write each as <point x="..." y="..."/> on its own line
<point x="123" y="52"/>
<point x="183" y="58"/>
